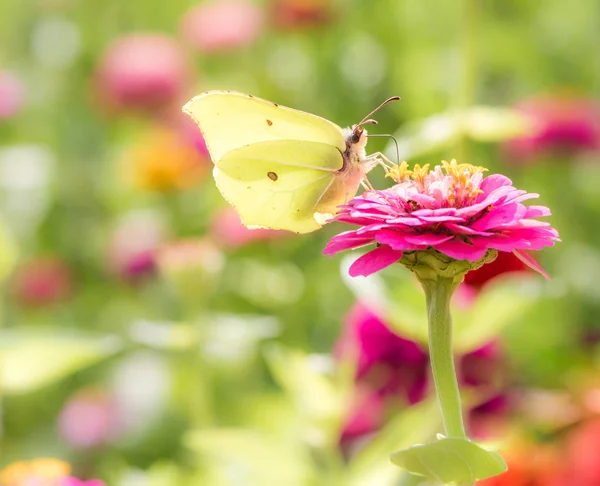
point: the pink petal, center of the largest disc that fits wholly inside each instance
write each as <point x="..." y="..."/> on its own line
<point x="537" y="212"/>
<point x="531" y="263"/>
<point x="427" y="239"/>
<point x="459" y="250"/>
<point x="491" y="183"/>
<point x="346" y="241"/>
<point x="397" y="240"/>
<point x="498" y="216"/>
<point x="460" y="229"/>
<point x="375" y="260"/>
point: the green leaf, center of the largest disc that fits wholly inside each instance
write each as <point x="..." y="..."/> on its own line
<point x="243" y="456"/>
<point x="500" y="304"/>
<point x="437" y="132"/>
<point x="371" y="467"/>
<point x="451" y="461"/>
<point x="310" y="384"/>
<point x="397" y="298"/>
<point x="30" y="360"/>
<point x="8" y="253"/>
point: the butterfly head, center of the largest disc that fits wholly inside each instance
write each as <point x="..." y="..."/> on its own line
<point x="357" y="138"/>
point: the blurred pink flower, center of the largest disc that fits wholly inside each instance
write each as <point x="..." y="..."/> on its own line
<point x="561" y="125"/>
<point x="42" y="281"/>
<point x="71" y="481"/>
<point x="289" y="14"/>
<point x="452" y="209"/>
<point x="133" y="246"/>
<point x="141" y="71"/>
<point x="227" y="229"/>
<point x="222" y="25"/>
<point x="11" y="95"/>
<point x="392" y="370"/>
<point x="88" y="419"/>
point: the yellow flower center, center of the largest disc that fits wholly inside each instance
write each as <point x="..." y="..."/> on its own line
<point x="451" y="183"/>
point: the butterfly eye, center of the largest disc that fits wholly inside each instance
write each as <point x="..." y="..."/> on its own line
<point x="356" y="136"/>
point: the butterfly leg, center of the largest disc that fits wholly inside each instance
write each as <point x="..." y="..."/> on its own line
<point x="380" y="159"/>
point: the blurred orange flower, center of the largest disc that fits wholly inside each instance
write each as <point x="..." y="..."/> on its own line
<point x="530" y="466"/>
<point x="163" y="160"/>
<point x="37" y="471"/>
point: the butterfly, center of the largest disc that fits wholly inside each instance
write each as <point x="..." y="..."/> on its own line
<point x="281" y="168"/>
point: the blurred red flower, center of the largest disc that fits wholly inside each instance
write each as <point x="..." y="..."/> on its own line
<point x="561" y="125"/>
<point x="141" y="72"/>
<point x="531" y="466"/>
<point x="222" y="25"/>
<point x="288" y="14"/>
<point x="11" y="95"/>
<point x="583" y="459"/>
<point x="42" y="281"/>
<point x="503" y="264"/>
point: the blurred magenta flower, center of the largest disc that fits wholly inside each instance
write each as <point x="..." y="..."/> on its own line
<point x="393" y="371"/>
<point x="165" y="159"/>
<point x="222" y="25"/>
<point x="12" y="95"/>
<point x="42" y="472"/>
<point x="452" y="209"/>
<point x="561" y="124"/>
<point x="133" y="245"/>
<point x="42" y="281"/>
<point x="289" y="14"/>
<point x="88" y="419"/>
<point x="141" y="72"/>
<point x="227" y="229"/>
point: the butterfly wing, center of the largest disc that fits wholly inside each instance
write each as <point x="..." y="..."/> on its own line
<point x="281" y="184"/>
<point x="230" y="120"/>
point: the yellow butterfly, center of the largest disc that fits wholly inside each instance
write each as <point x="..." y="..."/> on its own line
<point x="281" y="168"/>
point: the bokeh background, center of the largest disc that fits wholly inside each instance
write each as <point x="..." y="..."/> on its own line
<point x="147" y="338"/>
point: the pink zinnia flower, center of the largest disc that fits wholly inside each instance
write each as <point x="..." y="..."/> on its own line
<point x="11" y="95"/>
<point x="227" y="229"/>
<point x="88" y="419"/>
<point x="452" y="209"/>
<point x="141" y="71"/>
<point x="560" y="124"/>
<point x="224" y="25"/>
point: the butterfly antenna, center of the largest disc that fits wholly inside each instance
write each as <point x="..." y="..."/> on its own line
<point x="395" y="143"/>
<point x="366" y="118"/>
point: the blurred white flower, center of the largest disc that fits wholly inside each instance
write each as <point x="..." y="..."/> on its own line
<point x="56" y="41"/>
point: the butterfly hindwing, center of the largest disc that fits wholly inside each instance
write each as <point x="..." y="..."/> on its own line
<point x="279" y="184"/>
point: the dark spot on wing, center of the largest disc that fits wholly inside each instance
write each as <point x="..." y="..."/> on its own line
<point x="269" y="122"/>
<point x="273" y="176"/>
<point x="275" y="105"/>
<point x="250" y="96"/>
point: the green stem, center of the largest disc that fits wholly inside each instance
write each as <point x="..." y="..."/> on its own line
<point x="437" y="294"/>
